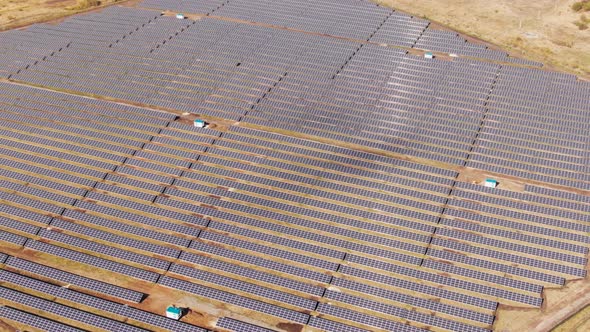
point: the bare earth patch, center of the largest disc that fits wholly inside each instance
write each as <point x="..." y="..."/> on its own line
<point x="475" y="176"/>
<point x="558" y="305"/>
<point x="541" y="30"/>
<point x="20" y="13"/>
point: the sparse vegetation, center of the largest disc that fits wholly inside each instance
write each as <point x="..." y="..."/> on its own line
<point x="15" y="13"/>
<point x="83" y="4"/>
<point x="583" y="22"/>
<point x="540" y="30"/>
<point x="581" y="6"/>
<point x="581" y="25"/>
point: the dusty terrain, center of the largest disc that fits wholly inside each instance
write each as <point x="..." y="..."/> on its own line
<point x="541" y="30"/>
<point x="580" y="322"/>
<point x="18" y="13"/>
<point x="563" y="310"/>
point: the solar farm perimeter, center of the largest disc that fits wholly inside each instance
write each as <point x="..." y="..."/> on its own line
<point x="338" y="187"/>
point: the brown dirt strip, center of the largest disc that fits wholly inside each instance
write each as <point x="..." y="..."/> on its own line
<point x="515" y="183"/>
<point x="159" y="296"/>
<point x="440" y="55"/>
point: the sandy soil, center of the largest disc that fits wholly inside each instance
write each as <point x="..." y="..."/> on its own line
<point x="476" y="176"/>
<point x="19" y="13"/>
<point x="541" y="30"/>
<point x="558" y="305"/>
<point x="580" y="322"/>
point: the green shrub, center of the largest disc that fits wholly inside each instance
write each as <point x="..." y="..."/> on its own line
<point x="581" y="6"/>
<point x="581" y="25"/>
<point x="84" y="4"/>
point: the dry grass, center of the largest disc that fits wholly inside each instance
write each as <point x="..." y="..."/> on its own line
<point x="543" y="30"/>
<point x="18" y="13"/>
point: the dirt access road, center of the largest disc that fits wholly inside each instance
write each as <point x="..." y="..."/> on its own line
<point x="542" y="30"/>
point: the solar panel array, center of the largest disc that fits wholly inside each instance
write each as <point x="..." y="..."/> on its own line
<point x="192" y="50"/>
<point x="374" y="213"/>
<point x="73" y="308"/>
<point x="400" y="29"/>
<point x="384" y="99"/>
<point x="552" y="144"/>
<point x="350" y="19"/>
<point x="201" y="7"/>
<point x="19" y="49"/>
<point x="450" y="42"/>
<point x="297" y="231"/>
<point x="296" y="96"/>
<point x="22" y="48"/>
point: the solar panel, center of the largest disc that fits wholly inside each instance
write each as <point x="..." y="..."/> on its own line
<point x="329" y="178"/>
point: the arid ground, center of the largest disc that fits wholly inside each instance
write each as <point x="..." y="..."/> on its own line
<point x="17" y="13"/>
<point x="543" y="30"/>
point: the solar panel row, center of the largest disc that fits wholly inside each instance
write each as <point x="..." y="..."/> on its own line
<point x="112" y="217"/>
<point x="276" y="224"/>
<point x="107" y="315"/>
